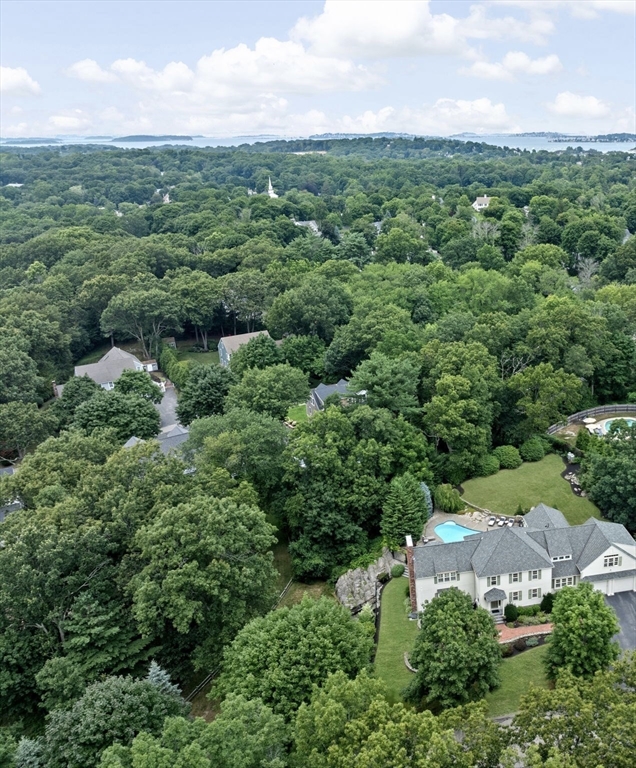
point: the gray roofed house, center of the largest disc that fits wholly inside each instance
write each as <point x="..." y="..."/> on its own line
<point x="520" y="565"/>
<point x="172" y="437"/>
<point x="319" y="394"/>
<point x="229" y="344"/>
<point x="110" y="367"/>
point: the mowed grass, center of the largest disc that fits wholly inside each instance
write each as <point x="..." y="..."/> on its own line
<point x="397" y="635"/>
<point x="298" y="413"/>
<point x="530" y="484"/>
<point x="518" y="674"/>
<point x="184" y="352"/>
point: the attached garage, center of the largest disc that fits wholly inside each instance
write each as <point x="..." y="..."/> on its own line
<point x="625" y="585"/>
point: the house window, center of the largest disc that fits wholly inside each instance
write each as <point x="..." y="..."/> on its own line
<point x="534" y="575"/>
<point x="533" y="594"/>
<point x="493" y="581"/>
<point x="448" y="576"/>
<point x="564" y="581"/>
<point x="611" y="560"/>
<point x="514" y="597"/>
<point x="561" y="557"/>
<point x="514" y="578"/>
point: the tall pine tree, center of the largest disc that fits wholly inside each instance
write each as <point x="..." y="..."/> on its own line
<point x="404" y="511"/>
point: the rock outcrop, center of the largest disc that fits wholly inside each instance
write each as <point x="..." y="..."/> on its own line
<point x="360" y="586"/>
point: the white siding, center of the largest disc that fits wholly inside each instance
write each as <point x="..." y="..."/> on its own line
<point x="597" y="567"/>
<point x="624" y="585"/>
<point x="427" y="589"/>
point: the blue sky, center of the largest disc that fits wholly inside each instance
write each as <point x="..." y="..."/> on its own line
<point x="297" y="68"/>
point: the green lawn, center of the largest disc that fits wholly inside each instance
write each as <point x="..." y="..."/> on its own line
<point x="184" y="352"/>
<point x="297" y="413"/>
<point x="517" y="675"/>
<point x="397" y="635"/>
<point x="530" y="484"/>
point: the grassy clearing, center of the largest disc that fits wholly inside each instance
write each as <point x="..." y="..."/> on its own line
<point x="397" y="635"/>
<point x="530" y="484"/>
<point x="184" y="352"/>
<point x="518" y="674"/>
<point x="298" y="413"/>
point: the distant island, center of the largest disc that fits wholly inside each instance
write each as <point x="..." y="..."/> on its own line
<point x="608" y="137"/>
<point x="31" y="140"/>
<point x="142" y="137"/>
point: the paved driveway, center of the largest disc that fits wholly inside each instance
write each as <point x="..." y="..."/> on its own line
<point x="167" y="408"/>
<point x="624" y="603"/>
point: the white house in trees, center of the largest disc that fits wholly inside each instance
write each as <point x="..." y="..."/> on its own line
<point x="481" y="203"/>
<point x="521" y="565"/>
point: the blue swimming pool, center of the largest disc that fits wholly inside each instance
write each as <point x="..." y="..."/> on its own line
<point x="451" y="531"/>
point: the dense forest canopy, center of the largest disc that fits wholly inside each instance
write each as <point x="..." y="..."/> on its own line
<point x="468" y="332"/>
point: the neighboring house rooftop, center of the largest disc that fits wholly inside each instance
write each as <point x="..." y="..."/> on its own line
<point x="323" y="391"/>
<point x="232" y="343"/>
<point x="110" y="367"/>
<point x="481" y="202"/>
<point x="172" y="437"/>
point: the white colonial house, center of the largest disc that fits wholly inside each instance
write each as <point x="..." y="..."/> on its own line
<point x="520" y="565"/>
<point x="481" y="203"/>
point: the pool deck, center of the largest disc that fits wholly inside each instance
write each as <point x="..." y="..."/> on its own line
<point x="470" y="520"/>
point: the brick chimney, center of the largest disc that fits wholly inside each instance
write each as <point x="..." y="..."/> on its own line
<point x="411" y="567"/>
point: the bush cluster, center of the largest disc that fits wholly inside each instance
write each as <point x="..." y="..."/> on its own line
<point x="511" y="612"/>
<point x="488" y="465"/>
<point x="397" y="571"/>
<point x="508" y="456"/>
<point x="532" y="450"/>
<point x="532" y="642"/>
<point x="448" y="499"/>
<point x="176" y="371"/>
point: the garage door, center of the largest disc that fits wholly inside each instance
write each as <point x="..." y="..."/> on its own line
<point x="624" y="585"/>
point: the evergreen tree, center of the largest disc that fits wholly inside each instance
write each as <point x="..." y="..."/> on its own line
<point x="404" y="511"/>
<point x="161" y="679"/>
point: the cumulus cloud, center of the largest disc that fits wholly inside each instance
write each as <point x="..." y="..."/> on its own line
<point x="18" y="81"/>
<point x="568" y="104"/>
<point x="514" y="63"/>
<point x="90" y="71"/>
<point x="76" y="122"/>
<point x="444" y="117"/>
<point x="397" y="28"/>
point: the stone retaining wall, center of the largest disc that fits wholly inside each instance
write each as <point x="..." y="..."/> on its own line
<point x="360" y="586"/>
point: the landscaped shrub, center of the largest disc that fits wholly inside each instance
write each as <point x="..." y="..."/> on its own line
<point x="546" y="603"/>
<point x="528" y="610"/>
<point x="583" y="439"/>
<point x="448" y="499"/>
<point x="508" y="456"/>
<point x="532" y="642"/>
<point x="366" y="617"/>
<point x="397" y="570"/>
<point x="507" y="650"/>
<point x="488" y="465"/>
<point x="530" y="621"/>
<point x="532" y="450"/>
<point x="520" y="644"/>
<point x="407" y="590"/>
<point x="510" y="612"/>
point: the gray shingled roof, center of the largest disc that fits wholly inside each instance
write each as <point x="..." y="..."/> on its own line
<point x="322" y="391"/>
<point x="508" y="550"/>
<point x="542" y="516"/>
<point x="602" y="536"/>
<point x="232" y="343"/>
<point x="171" y="438"/>
<point x="110" y="367"/>
<point x="564" y="568"/>
<point x="615" y="574"/>
<point x="441" y="558"/>
<point x="495" y="594"/>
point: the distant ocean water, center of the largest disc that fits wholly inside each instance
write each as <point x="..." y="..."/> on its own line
<point x="499" y="140"/>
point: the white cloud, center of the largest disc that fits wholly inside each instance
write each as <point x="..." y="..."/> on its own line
<point x="90" y="71"/>
<point x="568" y="104"/>
<point x="17" y="80"/>
<point x="514" y="63"/>
<point x="76" y="122"/>
<point x="397" y="28"/>
<point x="444" y="117"/>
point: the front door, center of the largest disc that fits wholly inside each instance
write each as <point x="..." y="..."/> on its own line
<point x="495" y="607"/>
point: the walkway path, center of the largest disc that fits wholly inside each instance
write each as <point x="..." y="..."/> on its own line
<point x="508" y="635"/>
